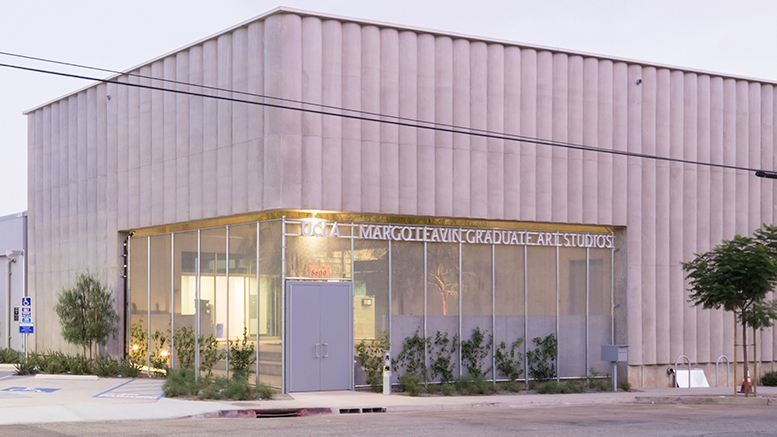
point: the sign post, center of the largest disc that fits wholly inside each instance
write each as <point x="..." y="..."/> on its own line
<point x="25" y="325"/>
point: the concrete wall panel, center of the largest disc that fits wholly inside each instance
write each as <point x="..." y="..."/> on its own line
<point x="370" y="131"/>
<point x="389" y="134"/>
<point x="332" y="130"/>
<point x="312" y="135"/>
<point x="443" y="114"/>
<point x="461" y="117"/>
<point x="478" y="104"/>
<point x="512" y="127"/>
<point x="528" y="129"/>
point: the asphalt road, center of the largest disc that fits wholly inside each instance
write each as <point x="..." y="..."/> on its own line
<point x="620" y="420"/>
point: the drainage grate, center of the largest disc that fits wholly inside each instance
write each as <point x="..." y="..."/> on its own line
<point x="362" y="410"/>
<point x="291" y="412"/>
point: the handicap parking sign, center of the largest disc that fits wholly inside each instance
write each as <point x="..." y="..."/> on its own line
<point x="26" y="301"/>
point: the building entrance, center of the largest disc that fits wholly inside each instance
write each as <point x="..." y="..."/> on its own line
<point x="319" y="326"/>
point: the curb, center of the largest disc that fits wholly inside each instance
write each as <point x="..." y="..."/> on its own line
<point x="706" y="400"/>
<point x="6" y="367"/>
<point x="255" y="413"/>
<point x="46" y="376"/>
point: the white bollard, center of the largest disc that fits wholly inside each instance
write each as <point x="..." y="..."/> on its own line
<point x="386" y="373"/>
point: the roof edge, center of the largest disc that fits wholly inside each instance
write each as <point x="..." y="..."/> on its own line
<point x="305" y="13"/>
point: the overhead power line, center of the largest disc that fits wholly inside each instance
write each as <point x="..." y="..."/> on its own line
<point x="353" y="114"/>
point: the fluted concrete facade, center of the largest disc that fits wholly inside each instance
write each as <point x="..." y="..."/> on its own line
<point x="112" y="158"/>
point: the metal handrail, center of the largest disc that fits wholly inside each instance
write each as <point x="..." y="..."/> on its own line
<point x="689" y="370"/>
<point x="728" y="368"/>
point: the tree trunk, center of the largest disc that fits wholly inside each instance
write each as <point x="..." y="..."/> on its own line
<point x="747" y="388"/>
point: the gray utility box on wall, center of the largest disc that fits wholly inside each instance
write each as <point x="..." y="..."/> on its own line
<point x="616" y="353"/>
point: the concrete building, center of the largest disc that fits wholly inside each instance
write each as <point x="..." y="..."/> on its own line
<point x="328" y="166"/>
<point x="13" y="251"/>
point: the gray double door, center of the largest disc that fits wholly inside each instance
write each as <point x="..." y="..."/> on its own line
<point x="320" y="340"/>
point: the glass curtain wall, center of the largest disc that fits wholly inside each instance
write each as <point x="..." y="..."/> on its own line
<point x="510" y="304"/>
<point x="229" y="280"/>
<point x="269" y="364"/>
<point x="572" y="329"/>
<point x="210" y="276"/>
<point x="213" y="303"/>
<point x="241" y="323"/>
<point x="477" y="309"/>
<point x="541" y="277"/>
<point x="160" y="307"/>
<point x="185" y="252"/>
<point x="371" y="296"/>
<point x="442" y="301"/>
<point x="138" y="298"/>
<point x="407" y="295"/>
<point x="600" y="307"/>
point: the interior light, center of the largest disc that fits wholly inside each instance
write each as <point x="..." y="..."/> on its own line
<point x="163" y="353"/>
<point x="135" y="347"/>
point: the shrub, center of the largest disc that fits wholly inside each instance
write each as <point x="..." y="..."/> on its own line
<point x="541" y="360"/>
<point x="410" y="383"/>
<point x="512" y="386"/>
<point x="127" y="368"/>
<point x="54" y="363"/>
<point x="264" y="392"/>
<point x="769" y="379"/>
<point x="138" y="343"/>
<point x="160" y="358"/>
<point x="411" y="358"/>
<point x="106" y="366"/>
<point x="447" y="389"/>
<point x="370" y="353"/>
<point x="550" y="387"/>
<point x="442" y="361"/>
<point x="214" y="390"/>
<point x="240" y="390"/>
<point x="9" y="356"/>
<point x="78" y="365"/>
<point x="625" y="386"/>
<point x="25" y="367"/>
<point x="508" y="362"/>
<point x="573" y="387"/>
<point x="180" y="383"/>
<point x="183" y="339"/>
<point x="242" y="356"/>
<point x="600" y="384"/>
<point x="209" y="354"/>
<point x="474" y="350"/>
<point x="472" y="385"/>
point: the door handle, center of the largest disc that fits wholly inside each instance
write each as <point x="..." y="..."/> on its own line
<point x="317" y="354"/>
<point x="326" y="355"/>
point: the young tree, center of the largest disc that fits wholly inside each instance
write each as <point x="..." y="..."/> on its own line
<point x="86" y="313"/>
<point x="737" y="275"/>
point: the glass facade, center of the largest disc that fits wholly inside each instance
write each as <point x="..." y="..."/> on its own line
<point x="215" y="286"/>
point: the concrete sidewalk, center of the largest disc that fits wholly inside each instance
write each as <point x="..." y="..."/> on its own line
<point x="29" y="399"/>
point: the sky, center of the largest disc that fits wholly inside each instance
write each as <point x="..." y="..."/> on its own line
<point x="736" y="38"/>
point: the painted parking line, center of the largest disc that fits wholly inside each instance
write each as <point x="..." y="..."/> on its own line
<point x="134" y="389"/>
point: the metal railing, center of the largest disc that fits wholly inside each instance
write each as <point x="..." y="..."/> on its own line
<point x="676" y="382"/>
<point x="728" y="369"/>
